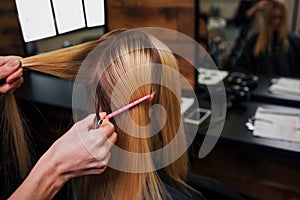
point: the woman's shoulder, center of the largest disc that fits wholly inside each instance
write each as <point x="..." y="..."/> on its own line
<point x="211" y="188"/>
<point x="183" y="193"/>
<point x="253" y="37"/>
<point x="294" y="39"/>
<point x="198" y="187"/>
<point x="179" y="191"/>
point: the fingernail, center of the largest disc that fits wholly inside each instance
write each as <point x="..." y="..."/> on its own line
<point x="15" y="63"/>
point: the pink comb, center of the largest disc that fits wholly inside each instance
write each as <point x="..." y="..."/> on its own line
<point x="127" y="107"/>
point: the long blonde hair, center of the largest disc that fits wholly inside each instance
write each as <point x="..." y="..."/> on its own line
<point x="131" y="59"/>
<point x="131" y="51"/>
<point x="265" y="38"/>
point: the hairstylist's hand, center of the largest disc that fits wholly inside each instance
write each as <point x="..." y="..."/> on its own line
<point x="82" y="151"/>
<point x="78" y="152"/>
<point x="258" y="6"/>
<point x="261" y="4"/>
<point x="10" y="73"/>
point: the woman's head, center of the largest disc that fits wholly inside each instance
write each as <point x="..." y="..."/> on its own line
<point x="274" y="28"/>
<point x="133" y="64"/>
<point x="137" y="64"/>
<point x="276" y="16"/>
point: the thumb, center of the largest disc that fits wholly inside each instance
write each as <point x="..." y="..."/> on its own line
<point x="102" y="115"/>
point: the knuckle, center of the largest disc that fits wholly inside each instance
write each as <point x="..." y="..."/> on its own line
<point x="115" y="137"/>
<point x="103" y="168"/>
<point x="111" y="127"/>
<point x="101" y="132"/>
<point x="4" y="70"/>
<point x="105" y="151"/>
<point x="4" y="88"/>
<point x="99" y="140"/>
<point x="9" y="66"/>
<point x="99" y="165"/>
<point x="105" y="162"/>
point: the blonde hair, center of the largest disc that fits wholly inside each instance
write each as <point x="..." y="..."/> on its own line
<point x="114" y="184"/>
<point x="129" y="52"/>
<point x="63" y="63"/>
<point x="14" y="138"/>
<point x="266" y="37"/>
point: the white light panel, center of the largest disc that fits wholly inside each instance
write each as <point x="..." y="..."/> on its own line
<point x="94" y="12"/>
<point x="68" y="14"/>
<point x="36" y="19"/>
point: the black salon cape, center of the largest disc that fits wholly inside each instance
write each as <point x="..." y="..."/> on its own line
<point x="276" y="63"/>
<point x="203" y="188"/>
<point x="210" y="189"/>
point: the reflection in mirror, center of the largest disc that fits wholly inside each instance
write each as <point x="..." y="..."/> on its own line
<point x="221" y="35"/>
<point x="254" y="36"/>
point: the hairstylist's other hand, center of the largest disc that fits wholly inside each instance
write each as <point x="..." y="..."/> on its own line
<point x="10" y="73"/>
<point x="82" y="151"/>
<point x="261" y="4"/>
<point x="258" y="6"/>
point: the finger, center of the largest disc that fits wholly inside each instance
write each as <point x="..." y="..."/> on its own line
<point x="85" y="172"/>
<point x="10" y="87"/>
<point x="106" y="128"/>
<point x="16" y="75"/>
<point x="102" y="115"/>
<point x="87" y="123"/>
<point x="96" y="170"/>
<point x="8" y="68"/>
<point x="92" y="171"/>
<point x="18" y="82"/>
<point x="105" y="145"/>
<point x="113" y="139"/>
<point x="263" y="3"/>
<point x="98" y="121"/>
<point x="4" y="88"/>
<point x="105" y="161"/>
<point x="99" y="163"/>
<point x="5" y="59"/>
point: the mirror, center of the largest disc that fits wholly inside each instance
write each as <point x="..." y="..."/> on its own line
<point x="223" y="36"/>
